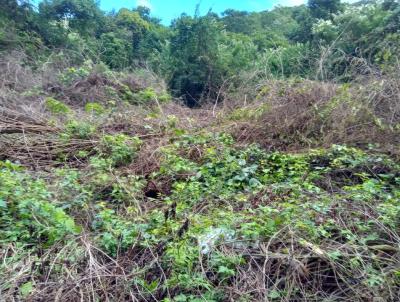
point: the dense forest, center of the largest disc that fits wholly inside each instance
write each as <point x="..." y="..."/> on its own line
<point x="197" y="55"/>
<point x="241" y="156"/>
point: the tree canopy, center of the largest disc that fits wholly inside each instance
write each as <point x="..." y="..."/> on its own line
<point x="197" y="54"/>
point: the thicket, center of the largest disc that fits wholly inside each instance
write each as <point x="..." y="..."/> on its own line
<point x="199" y="56"/>
<point x="158" y="206"/>
<point x="282" y="184"/>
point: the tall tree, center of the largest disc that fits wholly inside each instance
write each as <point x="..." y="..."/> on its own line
<point x="132" y="21"/>
<point x="323" y="9"/>
<point x="194" y="50"/>
<point x="82" y="16"/>
<point x="18" y="11"/>
<point x="238" y="21"/>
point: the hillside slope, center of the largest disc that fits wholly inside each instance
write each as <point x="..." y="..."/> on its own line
<point x="110" y="191"/>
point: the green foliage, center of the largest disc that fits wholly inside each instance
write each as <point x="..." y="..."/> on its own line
<point x="72" y="193"/>
<point x="56" y="107"/>
<point x="287" y="61"/>
<point x="197" y="55"/>
<point x="202" y="217"/>
<point x="95" y="108"/>
<point x="79" y="129"/>
<point x="194" y="54"/>
<point x="83" y="16"/>
<point x="115" y="233"/>
<point x="324" y="9"/>
<point x="227" y="175"/>
<point x="248" y="198"/>
<point x="28" y="214"/>
<point x="73" y="74"/>
<point x="120" y="149"/>
<point x="26" y="289"/>
<point x="116" y="50"/>
<point x="132" y="21"/>
<point x="148" y="96"/>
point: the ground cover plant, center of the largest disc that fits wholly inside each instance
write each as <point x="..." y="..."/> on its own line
<point x="173" y="212"/>
<point x="223" y="158"/>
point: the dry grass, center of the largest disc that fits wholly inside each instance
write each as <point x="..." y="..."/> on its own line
<point x="283" y="116"/>
<point x="306" y="114"/>
<point x="90" y="276"/>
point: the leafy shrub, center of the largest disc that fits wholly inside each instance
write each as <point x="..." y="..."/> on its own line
<point x="80" y="130"/>
<point x="120" y="148"/>
<point x="72" y="193"/>
<point x="128" y="190"/>
<point x="148" y="96"/>
<point x="116" y="50"/>
<point x="164" y="97"/>
<point x="288" y="61"/>
<point x="125" y="92"/>
<point x="28" y="213"/>
<point x="73" y="74"/>
<point x="56" y="107"/>
<point x="276" y="191"/>
<point x="96" y="108"/>
<point x="115" y="233"/>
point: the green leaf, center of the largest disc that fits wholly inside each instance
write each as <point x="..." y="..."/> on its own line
<point x="335" y="255"/>
<point x="274" y="294"/>
<point x="180" y="298"/>
<point x="26" y="289"/>
<point x="3" y="204"/>
<point x="226" y="271"/>
<point x="254" y="182"/>
<point x="241" y="162"/>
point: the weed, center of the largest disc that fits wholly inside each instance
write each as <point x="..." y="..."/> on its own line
<point x="56" y="107"/>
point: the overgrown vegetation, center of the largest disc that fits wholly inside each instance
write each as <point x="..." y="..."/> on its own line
<point x="201" y="57"/>
<point x="281" y="183"/>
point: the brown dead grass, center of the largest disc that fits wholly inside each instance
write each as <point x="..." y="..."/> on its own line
<point x="307" y="114"/>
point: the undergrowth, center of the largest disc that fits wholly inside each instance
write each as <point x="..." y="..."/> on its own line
<point x="291" y="197"/>
<point x="236" y="224"/>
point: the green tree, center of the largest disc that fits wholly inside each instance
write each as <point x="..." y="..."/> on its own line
<point x="18" y="11"/>
<point x="116" y="50"/>
<point x="238" y="21"/>
<point x="145" y="13"/>
<point x="194" y="51"/>
<point x="82" y="16"/>
<point x="18" y="22"/>
<point x="303" y="31"/>
<point x="132" y="21"/>
<point x="323" y="9"/>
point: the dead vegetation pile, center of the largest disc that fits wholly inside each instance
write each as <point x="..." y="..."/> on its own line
<point x="34" y="136"/>
<point x="37" y="144"/>
<point x="307" y="114"/>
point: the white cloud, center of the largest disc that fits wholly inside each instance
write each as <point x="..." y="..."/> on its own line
<point x="145" y="3"/>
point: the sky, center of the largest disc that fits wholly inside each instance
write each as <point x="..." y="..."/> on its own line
<point x="168" y="10"/>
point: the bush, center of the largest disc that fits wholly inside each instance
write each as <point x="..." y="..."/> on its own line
<point x="120" y="148"/>
<point x="115" y="233"/>
<point x="28" y="213"/>
<point x="80" y="130"/>
<point x="73" y="74"/>
<point x="56" y="107"/>
<point x="96" y="108"/>
<point x="302" y="114"/>
<point x="149" y="96"/>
